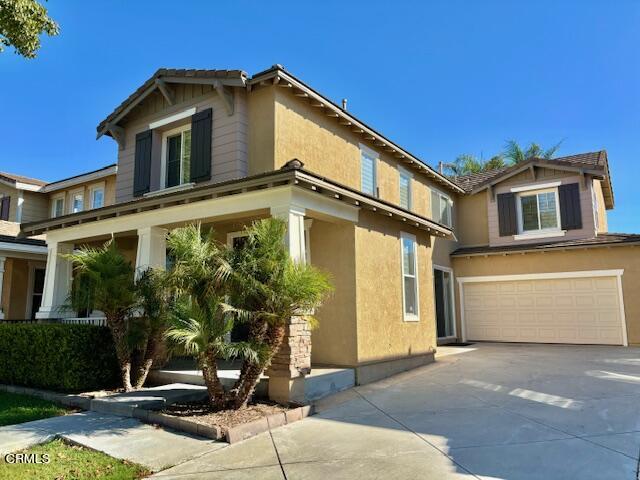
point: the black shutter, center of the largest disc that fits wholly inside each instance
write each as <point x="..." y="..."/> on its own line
<point x="142" y="169"/>
<point x="570" y="211"/>
<point x="4" y="208"/>
<point x="507" y="219"/>
<point x="201" y="145"/>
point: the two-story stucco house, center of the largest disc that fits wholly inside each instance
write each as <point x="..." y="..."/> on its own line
<point x="24" y="200"/>
<point x="416" y="257"/>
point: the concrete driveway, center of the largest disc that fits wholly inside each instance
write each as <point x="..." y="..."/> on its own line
<point x="487" y="411"/>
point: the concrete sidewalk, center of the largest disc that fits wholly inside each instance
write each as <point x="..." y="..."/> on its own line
<point x="120" y="437"/>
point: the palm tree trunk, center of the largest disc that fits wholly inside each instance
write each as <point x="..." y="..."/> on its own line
<point x="215" y="389"/>
<point x="273" y="340"/>
<point x="151" y="349"/>
<point x="117" y="326"/>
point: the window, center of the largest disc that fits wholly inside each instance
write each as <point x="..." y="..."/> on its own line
<point x="77" y="202"/>
<point x="97" y="197"/>
<point x="5" y="203"/>
<point x="368" y="181"/>
<point x="57" y="209"/>
<point x="538" y="211"/>
<point x="441" y="208"/>
<point x="405" y="188"/>
<point x="176" y="155"/>
<point x="409" y="277"/>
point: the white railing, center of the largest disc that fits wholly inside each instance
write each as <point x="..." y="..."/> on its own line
<point x="100" y="321"/>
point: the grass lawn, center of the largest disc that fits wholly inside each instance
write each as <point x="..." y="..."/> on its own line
<point x="16" y="408"/>
<point x="69" y="462"/>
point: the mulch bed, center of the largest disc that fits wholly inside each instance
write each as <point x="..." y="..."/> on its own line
<point x="200" y="412"/>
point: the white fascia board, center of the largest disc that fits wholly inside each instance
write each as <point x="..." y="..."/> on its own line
<point x="89" y="177"/>
<point x="172" y="118"/>
<point x="22" y="248"/>
<point x="535" y="186"/>
<point x="542" y="276"/>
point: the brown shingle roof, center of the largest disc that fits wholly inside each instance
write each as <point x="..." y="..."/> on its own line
<point x="11" y="177"/>
<point x="171" y="72"/>
<point x="597" y="160"/>
<point x="601" y="239"/>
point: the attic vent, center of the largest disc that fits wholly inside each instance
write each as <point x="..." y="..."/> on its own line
<point x="344" y="104"/>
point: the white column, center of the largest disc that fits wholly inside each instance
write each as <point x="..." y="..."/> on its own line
<point x="57" y="282"/>
<point x="295" y="238"/>
<point x="2" y="260"/>
<point x="152" y="249"/>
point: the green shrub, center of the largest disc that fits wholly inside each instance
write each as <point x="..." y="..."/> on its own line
<point x="65" y="358"/>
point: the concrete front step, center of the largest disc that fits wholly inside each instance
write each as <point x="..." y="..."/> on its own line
<point x="320" y="383"/>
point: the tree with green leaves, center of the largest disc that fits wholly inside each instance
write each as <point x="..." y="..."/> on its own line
<point x="21" y="24"/>
<point x="136" y="312"/>
<point x="219" y="287"/>
<point x="514" y="153"/>
<point x="465" y="164"/>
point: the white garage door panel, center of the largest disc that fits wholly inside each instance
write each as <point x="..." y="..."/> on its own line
<point x="558" y="310"/>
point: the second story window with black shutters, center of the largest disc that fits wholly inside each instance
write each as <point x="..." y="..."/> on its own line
<point x="5" y="203"/>
<point x="176" y="156"/>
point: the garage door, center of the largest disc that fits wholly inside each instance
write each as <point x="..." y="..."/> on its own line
<point x="583" y="310"/>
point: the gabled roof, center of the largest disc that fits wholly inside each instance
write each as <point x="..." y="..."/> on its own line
<point x="593" y="163"/>
<point x="235" y="78"/>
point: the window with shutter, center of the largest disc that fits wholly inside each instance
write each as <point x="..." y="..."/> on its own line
<point x="5" y="205"/>
<point x="200" y="140"/>
<point x="142" y="167"/>
<point x="570" y="210"/>
<point x="368" y="183"/>
<point x="507" y="220"/>
<point x="176" y="157"/>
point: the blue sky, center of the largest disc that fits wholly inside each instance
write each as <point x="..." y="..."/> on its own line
<point x="440" y="78"/>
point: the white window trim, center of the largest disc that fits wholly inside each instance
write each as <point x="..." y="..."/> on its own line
<point x="404" y="172"/>
<point x="163" y="159"/>
<point x="408" y="317"/>
<point x="546" y="276"/>
<point x="232" y="235"/>
<point x="542" y="232"/>
<point x="72" y="194"/>
<point x="19" y="206"/>
<point x="539" y="186"/>
<point x="452" y="292"/>
<point x="376" y="157"/>
<point x="31" y="278"/>
<point x="441" y="194"/>
<point x="93" y="188"/>
<point x="172" y="118"/>
<point x="54" y="199"/>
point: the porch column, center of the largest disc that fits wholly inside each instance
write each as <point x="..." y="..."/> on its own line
<point x="152" y="249"/>
<point x="57" y="282"/>
<point x="293" y="361"/>
<point x="2" y="260"/>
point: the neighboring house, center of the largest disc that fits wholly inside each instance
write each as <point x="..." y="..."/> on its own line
<point x="222" y="148"/>
<point x="23" y="259"/>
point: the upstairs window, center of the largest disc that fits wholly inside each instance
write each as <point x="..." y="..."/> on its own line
<point x="5" y="203"/>
<point x="409" y="277"/>
<point x="441" y="208"/>
<point x="97" y="197"/>
<point x="77" y="202"/>
<point x="177" y="156"/>
<point x="368" y="159"/>
<point x="57" y="209"/>
<point x="405" y="189"/>
<point x="538" y="211"/>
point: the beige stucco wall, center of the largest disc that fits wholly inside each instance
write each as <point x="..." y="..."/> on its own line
<point x="622" y="257"/>
<point x="472" y="221"/>
<point x="333" y="150"/>
<point x="261" y="132"/>
<point x="543" y="175"/>
<point x="603" y="226"/>
<point x="382" y="332"/>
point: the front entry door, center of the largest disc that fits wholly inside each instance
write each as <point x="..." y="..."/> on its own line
<point x="38" y="288"/>
<point x="444" y="303"/>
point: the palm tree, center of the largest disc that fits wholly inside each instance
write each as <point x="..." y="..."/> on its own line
<point x="201" y="318"/>
<point x="466" y="164"/>
<point x="269" y="288"/>
<point x="516" y="154"/>
<point x="104" y="280"/>
<point x="495" y="162"/>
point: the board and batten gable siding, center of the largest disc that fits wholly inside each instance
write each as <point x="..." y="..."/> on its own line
<point x="543" y="175"/>
<point x="229" y="135"/>
<point x="333" y="150"/>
